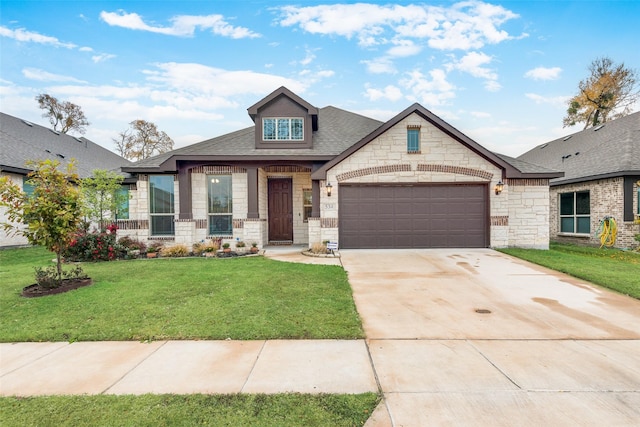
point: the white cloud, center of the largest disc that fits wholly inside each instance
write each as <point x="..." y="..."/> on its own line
<point x="480" y="114"/>
<point x="431" y="90"/>
<point x="464" y="25"/>
<point x="543" y="73"/>
<point x="556" y="101"/>
<point x="44" y="76"/>
<point x="474" y="63"/>
<point x="182" y="25"/>
<point x="102" y="57"/>
<point x="23" y="35"/>
<point x="382" y="65"/>
<point x="390" y="93"/>
<point x="404" y="48"/>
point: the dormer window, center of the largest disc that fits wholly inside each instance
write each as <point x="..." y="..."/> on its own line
<point x="283" y="129"/>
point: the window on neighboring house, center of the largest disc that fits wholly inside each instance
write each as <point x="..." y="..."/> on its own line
<point x="122" y="210"/>
<point x="220" y="205"/>
<point x="413" y="140"/>
<point x="575" y="213"/>
<point x="161" y="200"/>
<point x="306" y="203"/>
<point x="285" y="129"/>
<point x="27" y="187"/>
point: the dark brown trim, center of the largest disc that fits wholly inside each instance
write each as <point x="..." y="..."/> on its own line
<point x="315" y="198"/>
<point x="629" y="194"/>
<point x="184" y="193"/>
<point x="253" y="110"/>
<point x="252" y="193"/>
<point x="556" y="183"/>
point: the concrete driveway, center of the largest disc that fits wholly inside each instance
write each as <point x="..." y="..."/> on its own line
<point x="475" y="337"/>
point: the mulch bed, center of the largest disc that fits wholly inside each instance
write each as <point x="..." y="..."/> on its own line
<point x="36" y="290"/>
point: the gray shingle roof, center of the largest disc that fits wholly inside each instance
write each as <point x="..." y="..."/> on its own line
<point x="610" y="150"/>
<point x="337" y="130"/>
<point x="21" y="141"/>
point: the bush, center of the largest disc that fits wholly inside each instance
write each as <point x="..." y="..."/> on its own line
<point x="201" y="247"/>
<point x="132" y="244"/>
<point x="175" y="251"/>
<point x="319" y="248"/>
<point x="47" y="277"/>
<point x="94" y="246"/>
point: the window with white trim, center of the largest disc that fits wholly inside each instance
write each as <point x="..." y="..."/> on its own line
<point x="161" y="205"/>
<point x="220" y="205"/>
<point x="575" y="212"/>
<point x="283" y="129"/>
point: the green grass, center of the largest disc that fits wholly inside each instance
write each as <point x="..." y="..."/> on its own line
<point x="614" y="269"/>
<point x="189" y="410"/>
<point x="183" y="298"/>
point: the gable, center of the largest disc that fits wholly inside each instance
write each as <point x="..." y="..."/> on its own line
<point x="283" y="120"/>
<point x="433" y="122"/>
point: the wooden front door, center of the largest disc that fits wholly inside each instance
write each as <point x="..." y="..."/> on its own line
<point x="280" y="210"/>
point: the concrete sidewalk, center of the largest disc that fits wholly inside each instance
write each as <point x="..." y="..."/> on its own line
<point x="184" y="367"/>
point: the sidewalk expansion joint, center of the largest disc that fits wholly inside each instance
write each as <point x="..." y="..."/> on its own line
<point x="255" y="362"/>
<point x="133" y="368"/>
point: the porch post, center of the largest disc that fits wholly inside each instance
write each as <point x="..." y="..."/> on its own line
<point x="184" y="188"/>
<point x="315" y="199"/>
<point x="252" y="192"/>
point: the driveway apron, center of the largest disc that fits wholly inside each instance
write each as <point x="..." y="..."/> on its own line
<point x="476" y="337"/>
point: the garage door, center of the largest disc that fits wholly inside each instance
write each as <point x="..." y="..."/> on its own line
<point x="413" y="216"/>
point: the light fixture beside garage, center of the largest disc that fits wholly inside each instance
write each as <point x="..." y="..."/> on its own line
<point x="329" y="188"/>
<point x="499" y="187"/>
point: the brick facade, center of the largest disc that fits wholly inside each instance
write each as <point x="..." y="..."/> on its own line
<point x="606" y="197"/>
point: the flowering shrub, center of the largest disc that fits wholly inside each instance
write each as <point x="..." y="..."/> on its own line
<point x="94" y="246"/>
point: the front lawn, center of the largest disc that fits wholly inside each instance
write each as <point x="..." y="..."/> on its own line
<point x="189" y="410"/>
<point x="611" y="268"/>
<point x="180" y="298"/>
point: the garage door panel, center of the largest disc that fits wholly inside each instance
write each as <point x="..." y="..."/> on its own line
<point x="413" y="216"/>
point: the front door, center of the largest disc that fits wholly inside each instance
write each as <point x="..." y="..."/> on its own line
<point x="280" y="210"/>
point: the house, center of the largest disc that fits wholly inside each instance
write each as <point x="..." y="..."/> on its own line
<point x="302" y="175"/>
<point x="22" y="141"/>
<point x="601" y="179"/>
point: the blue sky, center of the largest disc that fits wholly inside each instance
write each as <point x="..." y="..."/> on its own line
<point x="499" y="71"/>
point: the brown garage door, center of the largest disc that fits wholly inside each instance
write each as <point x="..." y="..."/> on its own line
<point x="413" y="216"/>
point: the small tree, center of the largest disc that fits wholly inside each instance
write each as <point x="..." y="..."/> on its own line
<point x="52" y="213"/>
<point x="102" y="196"/>
<point x="608" y="93"/>
<point x="142" y="140"/>
<point x="67" y="115"/>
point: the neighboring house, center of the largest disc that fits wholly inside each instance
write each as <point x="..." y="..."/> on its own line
<point x="303" y="175"/>
<point x="601" y="168"/>
<point x="22" y="141"/>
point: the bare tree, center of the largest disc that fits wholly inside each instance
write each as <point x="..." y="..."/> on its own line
<point x="67" y="115"/>
<point x="608" y="93"/>
<point x="142" y="140"/>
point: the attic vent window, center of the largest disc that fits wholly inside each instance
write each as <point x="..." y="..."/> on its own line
<point x="60" y="155"/>
<point x="543" y="145"/>
<point x="566" y="138"/>
<point x="597" y="128"/>
<point x="48" y="151"/>
<point x="27" y="123"/>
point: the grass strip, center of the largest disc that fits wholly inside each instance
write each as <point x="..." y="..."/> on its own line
<point x="611" y="268"/>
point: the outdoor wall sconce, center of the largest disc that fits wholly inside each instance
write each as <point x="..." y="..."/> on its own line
<point x="329" y="188"/>
<point x="499" y="187"/>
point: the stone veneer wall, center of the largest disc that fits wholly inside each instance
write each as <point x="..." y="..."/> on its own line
<point x="517" y="215"/>
<point x="606" y="199"/>
<point x="528" y="213"/>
